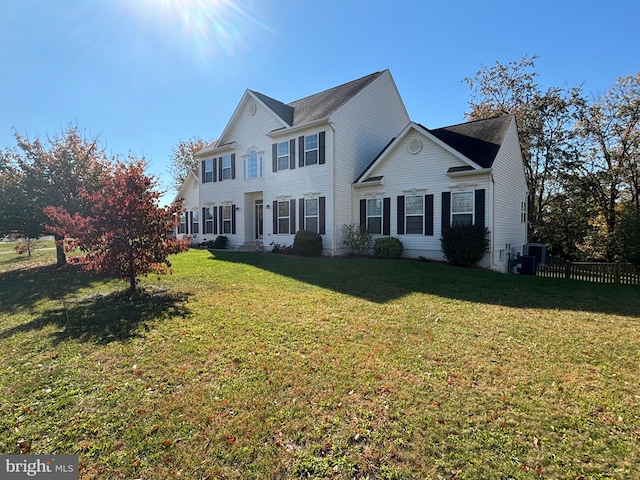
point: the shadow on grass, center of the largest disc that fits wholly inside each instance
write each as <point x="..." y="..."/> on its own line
<point x="98" y="318"/>
<point x="382" y="281"/>
<point x="115" y="316"/>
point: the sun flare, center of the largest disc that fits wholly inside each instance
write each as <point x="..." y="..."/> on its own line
<point x="212" y="28"/>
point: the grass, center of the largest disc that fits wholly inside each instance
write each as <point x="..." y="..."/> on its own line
<point x="252" y="366"/>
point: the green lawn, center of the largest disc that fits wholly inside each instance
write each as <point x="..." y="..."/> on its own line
<point x="248" y="365"/>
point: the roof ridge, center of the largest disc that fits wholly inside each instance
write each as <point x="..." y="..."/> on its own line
<point x="322" y="92"/>
<point x="502" y="116"/>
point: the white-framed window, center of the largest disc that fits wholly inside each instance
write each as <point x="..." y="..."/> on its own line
<point x="182" y="228"/>
<point x="462" y="208"/>
<point x="283" y="217"/>
<point x="311" y="214"/>
<point x="283" y="155"/>
<point x="253" y="165"/>
<point x="208" y="220"/>
<point x="226" y="218"/>
<point x="226" y="167"/>
<point x="311" y="149"/>
<point x="414" y="214"/>
<point x="374" y="216"/>
<point x="523" y="212"/>
<point x="207" y="171"/>
<point x="195" y="222"/>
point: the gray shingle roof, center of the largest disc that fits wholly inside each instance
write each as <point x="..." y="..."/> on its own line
<point x="479" y="140"/>
<point x="318" y="106"/>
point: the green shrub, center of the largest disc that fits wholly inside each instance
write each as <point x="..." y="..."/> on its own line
<point x="357" y="238"/>
<point x="307" y="243"/>
<point x="465" y="245"/>
<point x="220" y="242"/>
<point x="387" y="247"/>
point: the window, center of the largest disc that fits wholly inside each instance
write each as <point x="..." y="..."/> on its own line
<point x="253" y="165"/>
<point x="195" y="222"/>
<point x="182" y="228"/>
<point x="283" y="155"/>
<point x="226" y="167"/>
<point x="311" y="149"/>
<point x="414" y="213"/>
<point x="207" y="218"/>
<point x="207" y="171"/>
<point x="461" y="208"/>
<point x="523" y="212"/>
<point x="283" y="217"/>
<point x="374" y="216"/>
<point x="311" y="214"/>
<point x="226" y="219"/>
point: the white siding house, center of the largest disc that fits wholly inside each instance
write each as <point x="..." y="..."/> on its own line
<point x="351" y="154"/>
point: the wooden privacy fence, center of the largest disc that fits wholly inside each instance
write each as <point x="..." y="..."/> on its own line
<point x="622" y="273"/>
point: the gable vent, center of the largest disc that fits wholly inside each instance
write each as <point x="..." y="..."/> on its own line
<point x="415" y="146"/>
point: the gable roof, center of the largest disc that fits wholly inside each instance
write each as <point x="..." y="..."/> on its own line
<point x="476" y="143"/>
<point x="479" y="140"/>
<point x="320" y="105"/>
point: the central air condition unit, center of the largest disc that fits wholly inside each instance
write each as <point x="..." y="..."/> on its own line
<point x="538" y="250"/>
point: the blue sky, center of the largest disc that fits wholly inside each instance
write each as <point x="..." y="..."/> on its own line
<point x="144" y="74"/>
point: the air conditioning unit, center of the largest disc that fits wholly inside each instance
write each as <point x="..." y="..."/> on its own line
<point x="538" y="250"/>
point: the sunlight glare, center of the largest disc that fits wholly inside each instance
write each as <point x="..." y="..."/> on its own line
<point x="213" y="28"/>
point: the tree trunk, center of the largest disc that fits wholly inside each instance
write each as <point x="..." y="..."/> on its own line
<point x="61" y="257"/>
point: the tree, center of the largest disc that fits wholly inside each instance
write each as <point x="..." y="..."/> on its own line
<point x="183" y="160"/>
<point x="545" y="126"/>
<point x="126" y="234"/>
<point x="610" y="126"/>
<point x="37" y="175"/>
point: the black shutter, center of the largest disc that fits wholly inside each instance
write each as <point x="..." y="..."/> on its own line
<point x="428" y="214"/>
<point x="274" y="157"/>
<point x="215" y="170"/>
<point x="301" y="214"/>
<point x="321" y="154"/>
<point x="292" y="216"/>
<point x="321" y="215"/>
<point x="400" y="211"/>
<point x="220" y="210"/>
<point x="275" y="217"/>
<point x="363" y="213"/>
<point x="215" y="220"/>
<point x="203" y="222"/>
<point x="292" y="154"/>
<point x="386" y="216"/>
<point x="190" y="223"/>
<point x="446" y="212"/>
<point x="202" y="179"/>
<point x="220" y="168"/>
<point x="301" y="151"/>
<point x="233" y="165"/>
<point x="233" y="219"/>
<point x="479" y="208"/>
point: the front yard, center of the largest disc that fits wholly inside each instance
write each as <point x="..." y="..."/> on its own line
<point x="249" y="365"/>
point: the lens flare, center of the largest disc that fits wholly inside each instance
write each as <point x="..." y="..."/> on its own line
<point x="212" y="28"/>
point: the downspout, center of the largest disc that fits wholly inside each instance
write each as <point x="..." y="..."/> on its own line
<point x="491" y="219"/>
<point x="333" y="189"/>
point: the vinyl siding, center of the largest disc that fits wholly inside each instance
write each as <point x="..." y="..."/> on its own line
<point x="510" y="189"/>
<point x="420" y="174"/>
<point x="362" y="128"/>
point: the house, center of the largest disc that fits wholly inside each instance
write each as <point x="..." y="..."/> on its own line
<point x="351" y="154"/>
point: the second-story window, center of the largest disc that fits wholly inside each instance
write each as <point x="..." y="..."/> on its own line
<point x="311" y="149"/>
<point x="226" y="167"/>
<point x="207" y="171"/>
<point x="253" y="165"/>
<point x="283" y="155"/>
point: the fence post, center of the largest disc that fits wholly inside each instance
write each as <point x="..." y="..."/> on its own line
<point x="567" y="269"/>
<point x="616" y="272"/>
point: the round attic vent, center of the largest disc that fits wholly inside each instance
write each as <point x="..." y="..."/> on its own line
<point x="252" y="109"/>
<point x="415" y="146"/>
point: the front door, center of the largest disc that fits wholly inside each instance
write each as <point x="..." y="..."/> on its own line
<point x="259" y="227"/>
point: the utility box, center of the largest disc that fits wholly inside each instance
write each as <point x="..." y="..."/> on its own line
<point x="538" y="250"/>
